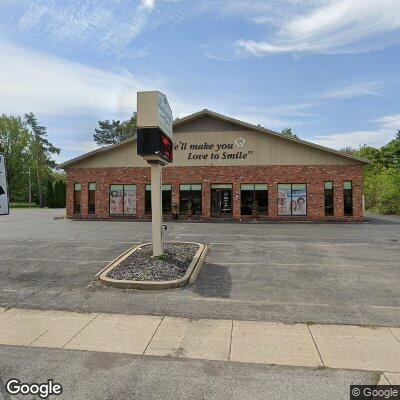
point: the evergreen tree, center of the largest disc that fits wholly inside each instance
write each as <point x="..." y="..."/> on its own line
<point x="115" y="131"/>
<point x="42" y="151"/>
<point x="288" y="132"/>
<point x="49" y="194"/>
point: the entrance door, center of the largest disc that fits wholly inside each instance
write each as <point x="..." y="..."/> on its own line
<point x="221" y="200"/>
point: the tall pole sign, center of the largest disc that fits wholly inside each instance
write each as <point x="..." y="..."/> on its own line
<point x="154" y="144"/>
<point x="4" y="202"/>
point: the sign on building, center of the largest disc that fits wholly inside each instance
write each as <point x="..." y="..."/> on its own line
<point x="154" y="127"/>
<point x="4" y="204"/>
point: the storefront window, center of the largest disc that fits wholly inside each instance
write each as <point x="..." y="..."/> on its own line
<point x="77" y="198"/>
<point x="166" y="199"/>
<point x="190" y="198"/>
<point x="292" y="199"/>
<point x="123" y="199"/>
<point x="254" y="197"/>
<point x="92" y="198"/>
<point x="348" y="198"/>
<point x="329" y="209"/>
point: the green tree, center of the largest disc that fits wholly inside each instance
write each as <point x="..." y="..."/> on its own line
<point x="42" y="151"/>
<point x="288" y="132"/>
<point x="15" y="139"/>
<point x="49" y="194"/>
<point x="382" y="177"/>
<point x="115" y="131"/>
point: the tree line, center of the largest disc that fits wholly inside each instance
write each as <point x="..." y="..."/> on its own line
<point x="382" y="176"/>
<point x="31" y="168"/>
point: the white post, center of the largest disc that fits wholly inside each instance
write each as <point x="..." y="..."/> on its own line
<point x="156" y="208"/>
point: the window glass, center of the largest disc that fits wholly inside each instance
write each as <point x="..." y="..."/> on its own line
<point x="254" y="199"/>
<point x="92" y="198"/>
<point x="190" y="198"/>
<point x="130" y="199"/>
<point x="221" y="186"/>
<point x="166" y="199"/>
<point x="258" y="186"/>
<point x="347" y="185"/>
<point x="284" y="199"/>
<point x="116" y="199"/>
<point x="77" y="198"/>
<point x="292" y="199"/>
<point x="247" y="187"/>
<point x="123" y="199"/>
<point x="348" y="198"/>
<point x="299" y="199"/>
<point x="329" y="198"/>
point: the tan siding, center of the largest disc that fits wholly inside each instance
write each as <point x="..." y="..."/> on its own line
<point x="262" y="149"/>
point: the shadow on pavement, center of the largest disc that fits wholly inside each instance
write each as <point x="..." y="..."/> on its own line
<point x="214" y="281"/>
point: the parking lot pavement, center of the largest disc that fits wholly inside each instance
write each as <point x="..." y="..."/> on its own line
<point x="90" y="375"/>
<point x="323" y="273"/>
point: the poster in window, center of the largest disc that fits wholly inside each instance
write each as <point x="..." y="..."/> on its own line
<point x="130" y="199"/>
<point x="299" y="201"/>
<point x="116" y="200"/>
<point x="284" y="200"/>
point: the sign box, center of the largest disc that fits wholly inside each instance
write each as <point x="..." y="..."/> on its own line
<point x="154" y="126"/>
<point x="154" y="111"/>
<point x="4" y="203"/>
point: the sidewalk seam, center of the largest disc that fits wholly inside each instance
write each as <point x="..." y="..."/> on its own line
<point x="154" y="334"/>
<point x="80" y="330"/>
<point x="230" y="342"/>
<point x="316" y="347"/>
<point x="34" y="340"/>
<point x="390" y="330"/>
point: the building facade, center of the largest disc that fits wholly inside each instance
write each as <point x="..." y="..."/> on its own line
<point x="223" y="168"/>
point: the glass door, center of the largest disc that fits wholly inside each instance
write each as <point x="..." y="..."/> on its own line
<point x="221" y="200"/>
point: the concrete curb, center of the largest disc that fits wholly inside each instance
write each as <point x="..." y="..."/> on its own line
<point x="199" y="266"/>
<point x="151" y="285"/>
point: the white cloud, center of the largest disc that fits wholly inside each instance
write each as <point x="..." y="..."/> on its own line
<point x="343" y="26"/>
<point x="357" y="89"/>
<point x="387" y="127"/>
<point x="33" y="81"/>
<point x="100" y="25"/>
<point x="148" y="3"/>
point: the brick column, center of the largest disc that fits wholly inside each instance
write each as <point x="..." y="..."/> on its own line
<point x="175" y="195"/>
<point x="338" y="199"/>
<point x="140" y="193"/>
<point x="236" y="212"/>
<point x="273" y="200"/>
<point x="206" y="200"/>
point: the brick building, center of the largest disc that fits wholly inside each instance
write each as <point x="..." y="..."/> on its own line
<point x="223" y="168"/>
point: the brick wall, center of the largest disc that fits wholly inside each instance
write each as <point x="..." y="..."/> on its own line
<point x="313" y="176"/>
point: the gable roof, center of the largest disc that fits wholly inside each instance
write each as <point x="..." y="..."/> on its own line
<point x="206" y="112"/>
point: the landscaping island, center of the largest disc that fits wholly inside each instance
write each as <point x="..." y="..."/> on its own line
<point x="137" y="268"/>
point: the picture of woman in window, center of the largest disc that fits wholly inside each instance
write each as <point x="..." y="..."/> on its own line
<point x="301" y="205"/>
<point x="116" y="202"/>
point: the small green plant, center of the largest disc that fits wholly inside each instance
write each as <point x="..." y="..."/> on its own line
<point x="162" y="257"/>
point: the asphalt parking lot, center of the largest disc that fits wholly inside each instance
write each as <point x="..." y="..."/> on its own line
<point x="325" y="273"/>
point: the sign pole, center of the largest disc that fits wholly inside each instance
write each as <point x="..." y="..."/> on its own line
<point x="156" y="208"/>
<point x="154" y="144"/>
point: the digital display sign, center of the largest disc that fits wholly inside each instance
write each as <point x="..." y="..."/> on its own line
<point x="153" y="141"/>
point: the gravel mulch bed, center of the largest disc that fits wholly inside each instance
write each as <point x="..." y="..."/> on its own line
<point x="141" y="266"/>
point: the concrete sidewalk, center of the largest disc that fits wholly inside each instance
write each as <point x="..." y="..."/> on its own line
<point x="333" y="346"/>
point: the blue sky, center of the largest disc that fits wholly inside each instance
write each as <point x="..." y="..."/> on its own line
<point x="329" y="69"/>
